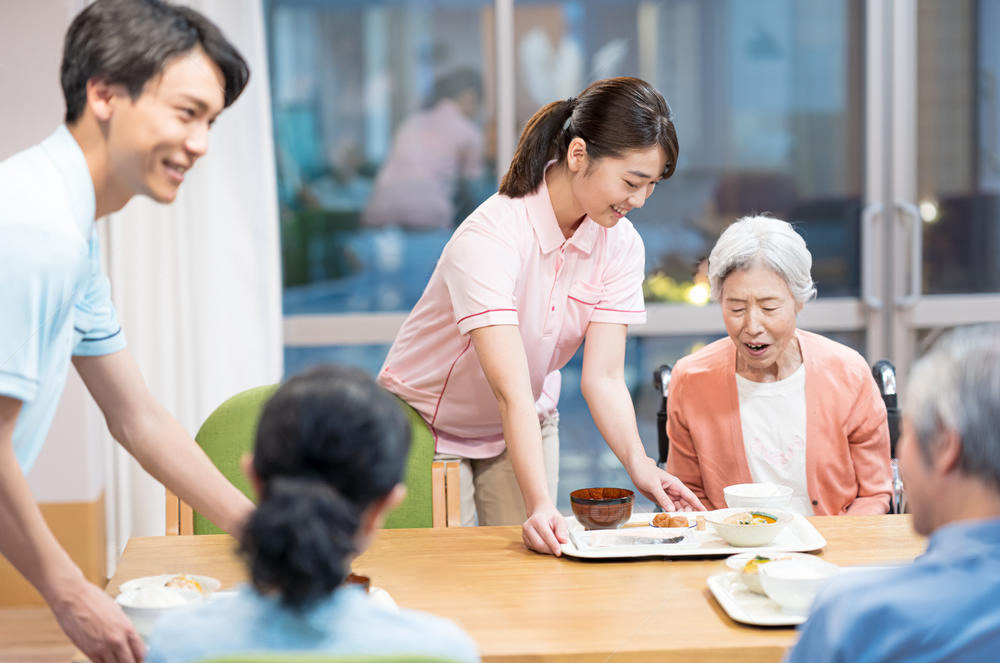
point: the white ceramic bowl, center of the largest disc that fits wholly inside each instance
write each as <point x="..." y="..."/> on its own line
<point x="793" y="583"/>
<point x="745" y="536"/>
<point x="758" y="496"/>
<point x="145" y="600"/>
<point x="739" y="561"/>
<point x="145" y="606"/>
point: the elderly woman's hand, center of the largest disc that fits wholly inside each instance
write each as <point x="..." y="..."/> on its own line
<point x="665" y="489"/>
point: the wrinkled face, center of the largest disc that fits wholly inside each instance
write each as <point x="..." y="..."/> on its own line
<point x="609" y="187"/>
<point x="759" y="312"/>
<point x="916" y="479"/>
<point x="156" y="138"/>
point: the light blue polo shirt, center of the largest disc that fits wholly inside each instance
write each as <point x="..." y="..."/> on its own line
<point x="347" y="623"/>
<point x="55" y="301"/>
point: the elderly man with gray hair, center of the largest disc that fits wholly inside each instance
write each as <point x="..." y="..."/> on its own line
<point x="773" y="403"/>
<point x="944" y="606"/>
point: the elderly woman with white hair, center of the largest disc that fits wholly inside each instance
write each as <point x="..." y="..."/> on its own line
<point x="773" y="403"/>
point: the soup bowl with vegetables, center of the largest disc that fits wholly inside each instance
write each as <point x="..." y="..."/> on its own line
<point x="748" y="527"/>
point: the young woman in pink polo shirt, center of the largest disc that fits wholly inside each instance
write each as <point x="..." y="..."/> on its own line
<point x="545" y="263"/>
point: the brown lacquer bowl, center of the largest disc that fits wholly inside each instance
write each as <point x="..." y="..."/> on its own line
<point x="602" y="508"/>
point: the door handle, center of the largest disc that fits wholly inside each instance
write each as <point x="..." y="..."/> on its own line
<point x="908" y="214"/>
<point x="869" y="222"/>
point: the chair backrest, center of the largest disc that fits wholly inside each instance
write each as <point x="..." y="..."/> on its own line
<point x="885" y="377"/>
<point x="305" y="657"/>
<point x="230" y="431"/>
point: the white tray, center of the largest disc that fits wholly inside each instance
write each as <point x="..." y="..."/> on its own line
<point x="748" y="607"/>
<point x="798" y="536"/>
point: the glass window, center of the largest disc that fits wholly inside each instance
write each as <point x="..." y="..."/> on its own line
<point x="383" y="123"/>
<point x="958" y="156"/>
<point x="767" y="98"/>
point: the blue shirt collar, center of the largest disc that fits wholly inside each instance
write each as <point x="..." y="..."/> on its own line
<point x="69" y="160"/>
<point x="320" y="616"/>
<point x="964" y="538"/>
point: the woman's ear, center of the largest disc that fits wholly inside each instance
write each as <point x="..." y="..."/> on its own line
<point x="246" y="463"/>
<point x="576" y="155"/>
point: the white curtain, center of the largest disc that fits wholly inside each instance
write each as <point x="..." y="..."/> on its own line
<point x="197" y="283"/>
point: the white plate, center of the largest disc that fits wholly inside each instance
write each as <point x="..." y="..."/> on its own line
<point x="748" y="607"/>
<point x="798" y="536"/>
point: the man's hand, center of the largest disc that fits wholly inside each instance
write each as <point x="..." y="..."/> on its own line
<point x="665" y="489"/>
<point x="95" y="624"/>
<point x="545" y="530"/>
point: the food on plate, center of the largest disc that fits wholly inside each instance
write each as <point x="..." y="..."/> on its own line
<point x="666" y="520"/>
<point x="754" y="564"/>
<point x="750" y="518"/>
<point x="184" y="582"/>
<point x="699" y="522"/>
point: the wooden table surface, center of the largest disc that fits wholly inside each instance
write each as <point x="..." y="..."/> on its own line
<point x="521" y="606"/>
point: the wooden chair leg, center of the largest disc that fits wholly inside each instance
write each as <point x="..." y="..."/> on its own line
<point x="186" y="518"/>
<point x="453" y="491"/>
<point x="439" y="507"/>
<point x="173" y="514"/>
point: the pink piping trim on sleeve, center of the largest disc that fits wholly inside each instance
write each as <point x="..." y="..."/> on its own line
<point x="445" y="386"/>
<point x="581" y="301"/>
<point x="489" y="310"/>
<point x="618" y="310"/>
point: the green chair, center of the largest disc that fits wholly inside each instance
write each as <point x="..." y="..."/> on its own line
<point x="300" y="657"/>
<point x="230" y="430"/>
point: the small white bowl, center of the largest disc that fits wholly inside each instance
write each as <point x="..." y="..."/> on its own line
<point x="145" y="606"/>
<point x="758" y="496"/>
<point x="747" y="536"/>
<point x="739" y="561"/>
<point x="208" y="584"/>
<point x="793" y="583"/>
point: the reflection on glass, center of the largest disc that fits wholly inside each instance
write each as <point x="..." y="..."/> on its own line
<point x="958" y="154"/>
<point x="381" y="140"/>
<point x="767" y="98"/>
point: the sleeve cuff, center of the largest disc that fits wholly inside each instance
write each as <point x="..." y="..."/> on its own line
<point x="99" y="346"/>
<point x="501" y="316"/>
<point x="619" y="316"/>
<point x="18" y="387"/>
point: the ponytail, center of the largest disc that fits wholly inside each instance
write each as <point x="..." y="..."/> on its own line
<point x="612" y="116"/>
<point x="299" y="539"/>
<point x="537" y="146"/>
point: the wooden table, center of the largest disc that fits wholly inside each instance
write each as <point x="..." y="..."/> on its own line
<point x="521" y="606"/>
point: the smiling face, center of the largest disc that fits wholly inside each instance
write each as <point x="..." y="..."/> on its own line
<point x="759" y="312"/>
<point x="154" y="139"/>
<point x="608" y="188"/>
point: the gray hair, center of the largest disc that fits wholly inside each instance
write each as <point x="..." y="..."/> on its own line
<point x="956" y="387"/>
<point x="771" y="241"/>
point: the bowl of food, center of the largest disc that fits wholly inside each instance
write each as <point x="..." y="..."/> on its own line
<point x="793" y="583"/>
<point x="602" y="508"/>
<point x="145" y="600"/>
<point x="747" y="566"/>
<point x="757" y="496"/>
<point x="746" y="528"/>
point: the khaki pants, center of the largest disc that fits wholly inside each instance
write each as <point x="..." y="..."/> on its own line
<point x="489" y="489"/>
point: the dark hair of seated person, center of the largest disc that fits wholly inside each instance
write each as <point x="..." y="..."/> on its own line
<point x="330" y="444"/>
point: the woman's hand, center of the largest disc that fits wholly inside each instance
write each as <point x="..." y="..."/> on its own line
<point x="665" y="489"/>
<point x="545" y="530"/>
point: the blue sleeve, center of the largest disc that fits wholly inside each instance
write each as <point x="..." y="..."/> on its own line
<point x="94" y="316"/>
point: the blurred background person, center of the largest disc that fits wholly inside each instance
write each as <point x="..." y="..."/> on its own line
<point x="943" y="607"/>
<point x="436" y="160"/>
<point x="773" y="403"/>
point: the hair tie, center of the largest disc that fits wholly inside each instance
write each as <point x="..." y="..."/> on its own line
<point x="571" y="102"/>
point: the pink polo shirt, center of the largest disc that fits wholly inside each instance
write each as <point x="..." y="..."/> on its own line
<point x="509" y="264"/>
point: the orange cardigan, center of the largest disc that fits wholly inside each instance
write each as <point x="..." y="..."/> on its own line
<point x="847" y="434"/>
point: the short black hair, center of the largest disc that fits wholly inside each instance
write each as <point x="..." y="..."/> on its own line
<point x="128" y="42"/>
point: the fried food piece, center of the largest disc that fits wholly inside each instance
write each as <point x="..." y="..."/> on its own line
<point x="185" y="582"/>
<point x="661" y="520"/>
<point x="700" y="523"/>
<point x="678" y="521"/>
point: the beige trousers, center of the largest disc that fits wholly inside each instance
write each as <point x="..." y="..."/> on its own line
<point x="490" y="494"/>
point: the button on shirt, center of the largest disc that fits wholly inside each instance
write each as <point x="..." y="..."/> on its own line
<point x="509" y="264"/>
<point x="346" y="623"/>
<point x="942" y="607"/>
<point x="54" y="298"/>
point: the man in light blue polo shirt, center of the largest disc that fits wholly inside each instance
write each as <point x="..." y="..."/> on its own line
<point x="143" y="82"/>
<point x="944" y="606"/>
